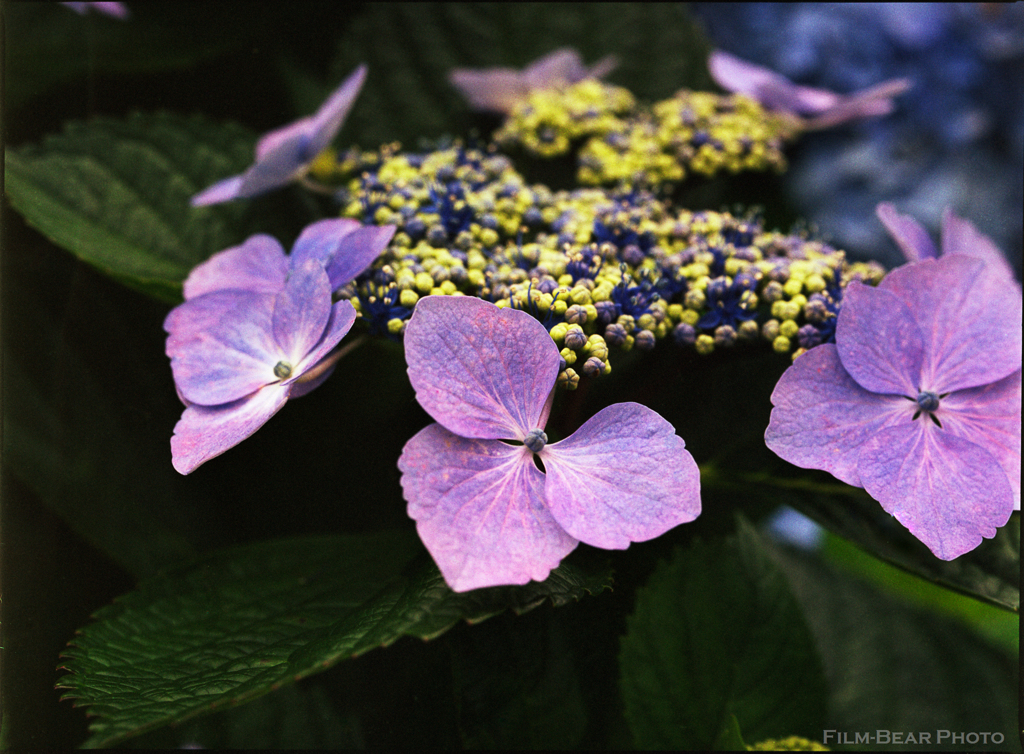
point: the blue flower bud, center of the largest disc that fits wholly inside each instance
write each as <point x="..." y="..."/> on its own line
<point x="615" y="334"/>
<point x="926" y="401"/>
<point x="535" y="440"/>
<point x="645" y="340"/>
<point x="684" y="334"/>
<point x="593" y="367"/>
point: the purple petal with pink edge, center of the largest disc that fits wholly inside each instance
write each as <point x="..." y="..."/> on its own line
<point x="204" y="432"/>
<point x="188" y="321"/>
<point x="479" y="509"/>
<point x="342" y="316"/>
<point x="221" y="191"/>
<point x="959" y="236"/>
<point x="258" y="264"/>
<point x="624" y="476"/>
<point x="969" y="317"/>
<point x="949" y="492"/>
<point x="479" y="370"/>
<point x="280" y="165"/>
<point x="332" y="113"/>
<point x="907" y="232"/>
<point x="283" y="140"/>
<point x="301" y="311"/>
<point x="771" y="89"/>
<point x="879" y="341"/>
<point x="563" y="66"/>
<point x="989" y="416"/>
<point x="344" y="247"/>
<point x="493" y="89"/>
<point x="822" y="416"/>
<point x="227" y="359"/>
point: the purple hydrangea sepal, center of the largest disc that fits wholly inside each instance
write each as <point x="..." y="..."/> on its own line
<point x="918" y="401"/>
<point x="112" y="9"/>
<point x="485" y="511"/>
<point x="814" y="108"/>
<point x="501" y="89"/>
<point x="344" y="247"/>
<point x="285" y="154"/>
<point x="959" y="236"/>
<point x="236" y="371"/>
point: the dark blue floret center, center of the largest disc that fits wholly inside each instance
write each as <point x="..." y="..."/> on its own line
<point x="535" y="440"/>
<point x="928" y="401"/>
<point x="282" y="370"/>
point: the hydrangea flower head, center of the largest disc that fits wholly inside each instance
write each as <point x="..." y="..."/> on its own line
<point x="285" y="154"/>
<point x="257" y="328"/>
<point x="500" y="89"/>
<point x="918" y="400"/>
<point x="816" y="108"/>
<point x="485" y="511"/>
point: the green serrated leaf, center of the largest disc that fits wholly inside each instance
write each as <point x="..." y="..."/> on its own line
<point x="244" y="621"/>
<point x="715" y="633"/>
<point x="894" y="667"/>
<point x="116" y="194"/>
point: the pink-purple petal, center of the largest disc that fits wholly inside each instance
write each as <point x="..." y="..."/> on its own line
<point x="344" y="247"/>
<point x="624" y="476"/>
<point x="909" y="235"/>
<point x="258" y="264"/>
<point x="301" y="311"/>
<point x="205" y="432"/>
<point x="969" y="316"/>
<point x="221" y="191"/>
<point x="959" y="236"/>
<point x="478" y="507"/>
<point x="492" y="89"/>
<point x="989" y="416"/>
<point x="332" y="113"/>
<point x="229" y="358"/>
<point x="949" y="492"/>
<point x="868" y="103"/>
<point x="342" y="317"/>
<point x="771" y="89"/>
<point x="821" y="416"/>
<point x="879" y="342"/>
<point x="479" y="370"/>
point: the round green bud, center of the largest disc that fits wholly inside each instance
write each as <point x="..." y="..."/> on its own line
<point x="704" y="344"/>
<point x="408" y="298"/>
<point x="781" y="344"/>
<point x="282" y="370"/>
<point x="568" y="379"/>
<point x="789" y="328"/>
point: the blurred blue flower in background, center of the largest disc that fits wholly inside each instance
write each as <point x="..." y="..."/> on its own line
<point x="956" y="139"/>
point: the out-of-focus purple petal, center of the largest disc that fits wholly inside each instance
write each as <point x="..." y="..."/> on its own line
<point x="493" y="89"/>
<point x="345" y="247"/>
<point x="478" y="507"/>
<point x="819" y="108"/>
<point x="907" y="232"/>
<point x="301" y="311"/>
<point x="564" y="66"/>
<point x="879" y="342"/>
<point x="342" y="316"/>
<point x="959" y="236"/>
<point x="205" y="432"/>
<point x="479" y="370"/>
<point x="112" y="9"/>
<point x="500" y="89"/>
<point x="948" y="491"/>
<point x="869" y="103"/>
<point x="822" y="416"/>
<point x="227" y="359"/>
<point x="969" y="317"/>
<point x="259" y="264"/>
<point x="989" y="416"/>
<point x="332" y="113"/>
<point x="221" y="191"/>
<point x="771" y="89"/>
<point x="624" y="476"/>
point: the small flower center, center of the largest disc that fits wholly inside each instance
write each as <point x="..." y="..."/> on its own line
<point x="928" y="401"/>
<point x="282" y="370"/>
<point x="535" y="440"/>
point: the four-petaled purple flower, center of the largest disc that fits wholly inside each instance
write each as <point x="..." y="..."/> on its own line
<point x="501" y="89"/>
<point x="285" y="154"/>
<point x="487" y="514"/>
<point x="257" y="328"/>
<point x="814" y="108"/>
<point x="918" y="400"/>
